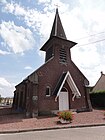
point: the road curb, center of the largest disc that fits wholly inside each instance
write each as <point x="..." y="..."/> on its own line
<point x="50" y="128"/>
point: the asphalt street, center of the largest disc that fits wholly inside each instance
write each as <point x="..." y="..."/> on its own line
<point x="92" y="133"/>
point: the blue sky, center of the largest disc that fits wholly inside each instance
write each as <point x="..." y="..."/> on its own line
<point x="26" y="24"/>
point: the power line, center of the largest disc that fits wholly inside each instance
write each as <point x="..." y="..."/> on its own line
<point x="90" y="35"/>
<point x="92" y="42"/>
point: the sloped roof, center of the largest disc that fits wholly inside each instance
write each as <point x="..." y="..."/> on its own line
<point x="66" y="77"/>
<point x="57" y="28"/>
<point x="58" y="85"/>
<point x="69" y="43"/>
<point x="57" y="33"/>
<point x="100" y="84"/>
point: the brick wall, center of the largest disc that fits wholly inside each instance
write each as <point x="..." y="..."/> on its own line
<point x="5" y="111"/>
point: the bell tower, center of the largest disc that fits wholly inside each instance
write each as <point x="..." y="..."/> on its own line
<point x="57" y="46"/>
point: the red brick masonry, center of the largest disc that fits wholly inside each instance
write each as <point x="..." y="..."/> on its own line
<point x="19" y="122"/>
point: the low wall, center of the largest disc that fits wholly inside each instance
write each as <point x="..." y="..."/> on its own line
<point x="8" y="111"/>
<point x="5" y="111"/>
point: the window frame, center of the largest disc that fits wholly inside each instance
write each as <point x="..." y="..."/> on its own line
<point x="48" y="89"/>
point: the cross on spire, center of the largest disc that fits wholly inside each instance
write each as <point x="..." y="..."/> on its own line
<point x="57" y="5"/>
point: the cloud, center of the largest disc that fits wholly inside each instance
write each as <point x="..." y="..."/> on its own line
<point x="84" y="22"/>
<point x="83" y="56"/>
<point x="28" y="68"/>
<point x="37" y="20"/>
<point x="15" y="9"/>
<point x="4" y="82"/>
<point x="93" y="15"/>
<point x="86" y="18"/>
<point x="3" y="1"/>
<point x="43" y="1"/>
<point x="17" y="38"/>
<point x="6" y="88"/>
<point x="4" y="52"/>
<point x="33" y="19"/>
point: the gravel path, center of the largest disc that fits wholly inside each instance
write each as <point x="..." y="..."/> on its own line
<point x="19" y="122"/>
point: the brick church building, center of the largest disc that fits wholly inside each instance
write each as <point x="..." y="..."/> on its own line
<point x="58" y="84"/>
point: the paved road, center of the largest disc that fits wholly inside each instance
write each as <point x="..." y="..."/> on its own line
<point x="94" y="133"/>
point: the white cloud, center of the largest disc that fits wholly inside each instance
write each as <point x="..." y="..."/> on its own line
<point x="3" y="1"/>
<point x="28" y="68"/>
<point x="4" y="82"/>
<point x="93" y="14"/>
<point x="17" y="38"/>
<point x="43" y="1"/>
<point x="35" y="19"/>
<point x="3" y="52"/>
<point x="75" y="19"/>
<point x="84" y="19"/>
<point x="6" y="88"/>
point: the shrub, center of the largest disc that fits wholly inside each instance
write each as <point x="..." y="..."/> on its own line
<point x="98" y="99"/>
<point x="66" y="115"/>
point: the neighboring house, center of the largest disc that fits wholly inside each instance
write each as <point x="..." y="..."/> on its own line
<point x="7" y="101"/>
<point x="58" y="84"/>
<point x="100" y="84"/>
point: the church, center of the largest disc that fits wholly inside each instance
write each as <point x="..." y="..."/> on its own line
<point x="58" y="84"/>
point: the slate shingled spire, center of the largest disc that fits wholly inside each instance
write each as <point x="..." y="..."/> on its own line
<point x="57" y="28"/>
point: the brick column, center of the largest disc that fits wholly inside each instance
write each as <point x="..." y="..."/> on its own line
<point x="16" y="101"/>
<point x="34" y="101"/>
<point x="88" y="102"/>
<point x="28" y="98"/>
<point x="18" y="104"/>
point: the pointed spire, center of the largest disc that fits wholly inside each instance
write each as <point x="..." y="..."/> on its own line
<point x="57" y="28"/>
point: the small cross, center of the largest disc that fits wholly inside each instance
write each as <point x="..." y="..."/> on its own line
<point x="57" y="5"/>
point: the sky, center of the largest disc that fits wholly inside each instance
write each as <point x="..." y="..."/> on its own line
<point x="25" y="25"/>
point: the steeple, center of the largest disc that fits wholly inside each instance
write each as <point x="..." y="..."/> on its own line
<point x="57" y="33"/>
<point x="57" y="28"/>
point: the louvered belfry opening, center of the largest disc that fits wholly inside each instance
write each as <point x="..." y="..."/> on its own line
<point x="62" y="55"/>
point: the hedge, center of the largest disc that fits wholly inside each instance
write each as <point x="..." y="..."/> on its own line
<point x="98" y="99"/>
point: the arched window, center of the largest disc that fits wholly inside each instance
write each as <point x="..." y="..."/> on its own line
<point x="48" y="91"/>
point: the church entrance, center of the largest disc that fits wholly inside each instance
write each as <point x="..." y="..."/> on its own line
<point x="63" y="101"/>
